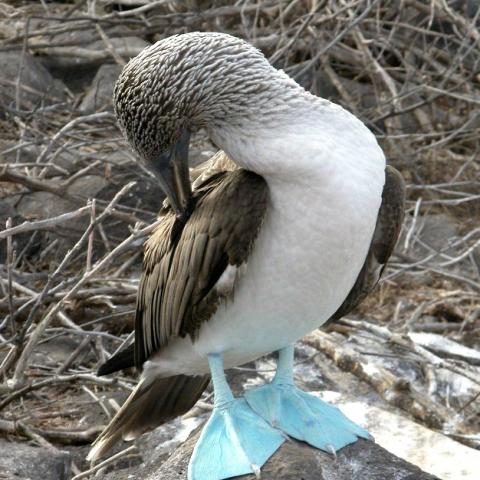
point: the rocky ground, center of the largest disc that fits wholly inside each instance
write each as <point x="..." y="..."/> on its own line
<point x="76" y="207"/>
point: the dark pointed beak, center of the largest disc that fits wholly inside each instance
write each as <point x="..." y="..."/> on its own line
<point x="171" y="169"/>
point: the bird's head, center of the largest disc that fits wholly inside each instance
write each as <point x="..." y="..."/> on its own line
<point x="182" y="83"/>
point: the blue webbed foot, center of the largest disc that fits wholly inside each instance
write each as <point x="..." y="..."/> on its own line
<point x="304" y="416"/>
<point x="235" y="441"/>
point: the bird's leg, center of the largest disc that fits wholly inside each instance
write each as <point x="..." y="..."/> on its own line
<point x="235" y="440"/>
<point x="223" y="395"/>
<point x="299" y="414"/>
<point x="284" y="373"/>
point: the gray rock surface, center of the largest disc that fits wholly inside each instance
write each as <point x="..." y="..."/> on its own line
<point x="436" y="230"/>
<point x="294" y="460"/>
<point x="39" y="205"/>
<point x="99" y="95"/>
<point x="37" y="86"/>
<point x="20" y="461"/>
<point x="431" y="232"/>
<point x="164" y="450"/>
<point x="57" y="350"/>
<point x="92" y="48"/>
<point x="77" y="70"/>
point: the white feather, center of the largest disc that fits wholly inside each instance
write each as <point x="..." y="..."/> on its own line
<point x="325" y="172"/>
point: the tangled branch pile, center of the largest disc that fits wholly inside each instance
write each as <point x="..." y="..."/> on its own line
<point x="75" y="221"/>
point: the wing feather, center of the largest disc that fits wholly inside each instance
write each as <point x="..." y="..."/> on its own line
<point x="184" y="259"/>
<point x="387" y="230"/>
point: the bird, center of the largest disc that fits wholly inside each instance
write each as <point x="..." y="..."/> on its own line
<point x="287" y="228"/>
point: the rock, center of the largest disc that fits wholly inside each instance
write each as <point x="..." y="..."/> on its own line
<point x="126" y="47"/>
<point x="37" y="86"/>
<point x="297" y="460"/>
<point x="471" y="8"/>
<point x="63" y="160"/>
<point x="67" y="160"/>
<point x="99" y="95"/>
<point x="427" y="449"/>
<point x="78" y="70"/>
<point x="56" y="351"/>
<point x="419" y="447"/>
<point x="435" y="231"/>
<point x="161" y="442"/>
<point x="40" y="205"/>
<point x="402" y="449"/>
<point x="87" y="186"/>
<point x="20" y="461"/>
<point x="393" y="431"/>
<point x="145" y="193"/>
<point x="446" y="347"/>
<point x="21" y="240"/>
<point x="24" y="154"/>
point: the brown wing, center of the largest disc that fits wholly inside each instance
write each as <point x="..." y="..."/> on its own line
<point x="184" y="260"/>
<point x="179" y="291"/>
<point x="387" y="230"/>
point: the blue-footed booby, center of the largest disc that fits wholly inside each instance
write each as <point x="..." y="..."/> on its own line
<point x="256" y="255"/>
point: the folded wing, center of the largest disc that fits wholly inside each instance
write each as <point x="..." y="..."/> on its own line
<point x="387" y="230"/>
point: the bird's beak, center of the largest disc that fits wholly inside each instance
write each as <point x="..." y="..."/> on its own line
<point x="171" y="169"/>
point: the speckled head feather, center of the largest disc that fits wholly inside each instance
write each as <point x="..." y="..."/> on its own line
<point x="193" y="80"/>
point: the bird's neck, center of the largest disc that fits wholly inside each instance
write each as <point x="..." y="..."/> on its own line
<point x="305" y="140"/>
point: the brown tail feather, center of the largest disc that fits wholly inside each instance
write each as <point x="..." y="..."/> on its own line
<point x="151" y="404"/>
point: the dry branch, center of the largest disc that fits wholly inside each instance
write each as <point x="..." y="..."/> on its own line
<point x="392" y="388"/>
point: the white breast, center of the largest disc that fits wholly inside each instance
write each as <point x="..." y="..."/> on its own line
<point x="324" y="203"/>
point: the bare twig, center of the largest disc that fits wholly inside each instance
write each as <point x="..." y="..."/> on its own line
<point x="44" y="224"/>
